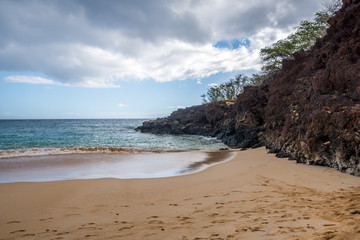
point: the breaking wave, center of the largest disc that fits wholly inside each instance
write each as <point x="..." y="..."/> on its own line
<point x="70" y="150"/>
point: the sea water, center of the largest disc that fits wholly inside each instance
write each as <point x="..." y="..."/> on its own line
<point x="91" y="133"/>
<point x="46" y="150"/>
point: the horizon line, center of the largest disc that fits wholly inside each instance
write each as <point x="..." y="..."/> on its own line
<point x="2" y="119"/>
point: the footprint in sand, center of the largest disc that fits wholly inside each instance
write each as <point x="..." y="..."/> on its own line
<point x="207" y="226"/>
<point x="155" y="222"/>
<point x="126" y="228"/>
<point x="310" y="227"/>
<point x="87" y="236"/>
<point x="214" y="235"/>
<point x="198" y="211"/>
<point x="28" y="235"/>
<point x="71" y="214"/>
<point x="18" y="231"/>
<point x="12" y="222"/>
<point x="223" y="221"/>
<point x="44" y="219"/>
<point x="186" y="220"/>
<point x="88" y="224"/>
<point x="173" y="204"/>
<point x="213" y="214"/>
<point x="87" y="228"/>
<point x="355" y="212"/>
<point x="256" y="229"/>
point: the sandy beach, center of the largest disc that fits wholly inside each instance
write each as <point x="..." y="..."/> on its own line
<point x="252" y="196"/>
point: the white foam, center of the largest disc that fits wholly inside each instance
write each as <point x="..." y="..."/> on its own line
<point x="54" y="151"/>
<point x="90" y="166"/>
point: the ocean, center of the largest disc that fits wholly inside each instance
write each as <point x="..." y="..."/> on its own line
<point x="47" y="150"/>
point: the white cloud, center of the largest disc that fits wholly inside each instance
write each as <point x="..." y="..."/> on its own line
<point x="265" y="36"/>
<point x="30" y="79"/>
<point x="92" y="44"/>
<point x="175" y="60"/>
<point x="176" y="107"/>
<point x="122" y="105"/>
<point x="179" y="60"/>
<point x="213" y="85"/>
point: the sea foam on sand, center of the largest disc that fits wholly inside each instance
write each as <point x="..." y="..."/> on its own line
<point x="106" y="165"/>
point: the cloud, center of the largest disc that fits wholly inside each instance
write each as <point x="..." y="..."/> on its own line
<point x="122" y="105"/>
<point x="176" y="107"/>
<point x="213" y="85"/>
<point x="93" y="44"/>
<point x="29" y="79"/>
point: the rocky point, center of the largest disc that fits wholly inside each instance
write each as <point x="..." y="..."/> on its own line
<point x="309" y="111"/>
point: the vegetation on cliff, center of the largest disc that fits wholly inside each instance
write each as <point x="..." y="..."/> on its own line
<point x="302" y="39"/>
<point x="308" y="111"/>
<point x="273" y="56"/>
<point x="229" y="91"/>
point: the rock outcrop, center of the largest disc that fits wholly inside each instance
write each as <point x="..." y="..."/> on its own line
<point x="309" y="111"/>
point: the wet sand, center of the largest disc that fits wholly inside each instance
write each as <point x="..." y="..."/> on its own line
<point x="124" y="165"/>
<point x="253" y="196"/>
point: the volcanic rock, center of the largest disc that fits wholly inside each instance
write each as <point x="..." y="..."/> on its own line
<point x="309" y="111"/>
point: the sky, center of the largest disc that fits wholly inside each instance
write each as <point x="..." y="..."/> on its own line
<point x="131" y="58"/>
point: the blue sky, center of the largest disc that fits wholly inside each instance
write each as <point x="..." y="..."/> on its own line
<point x="130" y="59"/>
<point x="133" y="99"/>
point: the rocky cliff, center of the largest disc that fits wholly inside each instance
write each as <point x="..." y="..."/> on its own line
<point x="309" y="111"/>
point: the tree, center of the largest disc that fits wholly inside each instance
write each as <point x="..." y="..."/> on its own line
<point x="272" y="57"/>
<point x="303" y="39"/>
<point x="227" y="91"/>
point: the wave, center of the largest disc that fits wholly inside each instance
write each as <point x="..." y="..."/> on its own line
<point x="70" y="150"/>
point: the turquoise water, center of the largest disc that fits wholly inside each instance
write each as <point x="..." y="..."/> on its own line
<point x="27" y="137"/>
<point x="51" y="150"/>
<point x="38" y="150"/>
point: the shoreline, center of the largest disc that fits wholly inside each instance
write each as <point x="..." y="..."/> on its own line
<point x="36" y="152"/>
<point x="252" y="196"/>
<point x="95" y="165"/>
